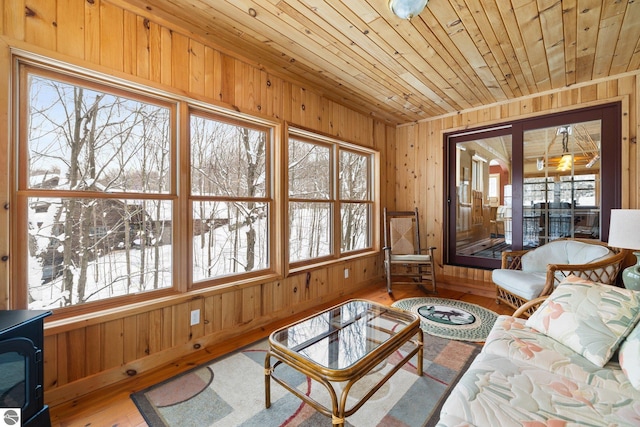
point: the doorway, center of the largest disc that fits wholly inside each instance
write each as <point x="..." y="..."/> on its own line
<point x="523" y="184"/>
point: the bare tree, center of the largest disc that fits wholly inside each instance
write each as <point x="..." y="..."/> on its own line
<point x="254" y="153"/>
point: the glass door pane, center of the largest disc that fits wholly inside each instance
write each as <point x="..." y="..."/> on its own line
<point x="561" y="183"/>
<point x="483" y="203"/>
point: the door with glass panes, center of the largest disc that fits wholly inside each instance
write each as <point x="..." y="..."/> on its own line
<point x="524" y="184"/>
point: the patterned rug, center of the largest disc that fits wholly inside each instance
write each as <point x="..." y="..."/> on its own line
<point x="451" y="319"/>
<point x="229" y="392"/>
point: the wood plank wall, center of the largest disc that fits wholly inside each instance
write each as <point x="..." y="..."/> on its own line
<point x="420" y="161"/>
<point x="94" y="351"/>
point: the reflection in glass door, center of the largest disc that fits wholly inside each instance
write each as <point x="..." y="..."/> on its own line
<point x="561" y="183"/>
<point x="483" y="202"/>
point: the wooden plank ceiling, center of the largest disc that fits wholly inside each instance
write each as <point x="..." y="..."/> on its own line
<point x="456" y="55"/>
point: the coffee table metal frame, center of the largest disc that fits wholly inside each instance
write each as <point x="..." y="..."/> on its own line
<point x="326" y="376"/>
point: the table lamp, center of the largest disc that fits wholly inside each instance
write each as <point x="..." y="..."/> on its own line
<point x="624" y="233"/>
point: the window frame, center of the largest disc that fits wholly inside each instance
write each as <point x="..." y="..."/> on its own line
<point x="268" y="198"/>
<point x="369" y="200"/>
<point x="22" y="191"/>
<point x="335" y="201"/>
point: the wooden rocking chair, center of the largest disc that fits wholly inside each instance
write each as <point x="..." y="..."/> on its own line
<point x="404" y="260"/>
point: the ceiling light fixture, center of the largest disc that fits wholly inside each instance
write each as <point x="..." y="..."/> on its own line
<point x="407" y="9"/>
<point x="566" y="162"/>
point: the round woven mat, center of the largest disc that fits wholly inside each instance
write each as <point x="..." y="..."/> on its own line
<point x="452" y="319"/>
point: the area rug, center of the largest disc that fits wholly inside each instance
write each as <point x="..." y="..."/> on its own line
<point x="229" y="392"/>
<point x="451" y="319"/>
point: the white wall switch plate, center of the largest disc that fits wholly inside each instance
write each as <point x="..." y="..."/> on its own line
<point x="195" y="317"/>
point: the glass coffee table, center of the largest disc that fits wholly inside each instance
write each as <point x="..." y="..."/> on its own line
<point x="341" y="345"/>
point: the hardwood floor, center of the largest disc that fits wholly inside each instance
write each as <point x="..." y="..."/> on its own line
<point x="114" y="407"/>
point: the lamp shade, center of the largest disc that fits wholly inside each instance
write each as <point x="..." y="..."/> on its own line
<point x="565" y="163"/>
<point x="407" y="9"/>
<point x="624" y="233"/>
<point x="624" y="229"/>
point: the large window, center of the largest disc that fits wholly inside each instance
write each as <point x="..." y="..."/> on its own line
<point x="96" y="183"/>
<point x="327" y="178"/>
<point x="230" y="190"/>
<point x="546" y="178"/>
<point x="121" y="197"/>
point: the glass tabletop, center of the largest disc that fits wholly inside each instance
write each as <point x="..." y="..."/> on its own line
<point x="342" y="335"/>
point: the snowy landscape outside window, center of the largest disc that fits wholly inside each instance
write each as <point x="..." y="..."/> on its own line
<point x="310" y="197"/>
<point x="101" y="220"/>
<point x="230" y="196"/>
<point x="326" y="179"/>
<point x="96" y="183"/>
<point x="355" y="200"/>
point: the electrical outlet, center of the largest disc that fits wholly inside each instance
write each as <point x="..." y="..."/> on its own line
<point x="195" y="317"/>
<point x="346" y="273"/>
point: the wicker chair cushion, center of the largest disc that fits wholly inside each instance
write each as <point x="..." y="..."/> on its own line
<point x="527" y="285"/>
<point x="563" y="252"/>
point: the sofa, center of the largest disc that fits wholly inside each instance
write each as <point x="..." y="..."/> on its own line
<point x="574" y="362"/>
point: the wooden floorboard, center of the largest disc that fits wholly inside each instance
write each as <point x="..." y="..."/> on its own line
<point x="113" y="406"/>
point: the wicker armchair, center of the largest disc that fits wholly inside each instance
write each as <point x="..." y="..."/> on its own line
<point x="516" y="282"/>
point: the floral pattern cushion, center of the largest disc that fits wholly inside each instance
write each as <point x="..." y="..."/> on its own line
<point x="512" y="339"/>
<point x="590" y="318"/>
<point x="629" y="357"/>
